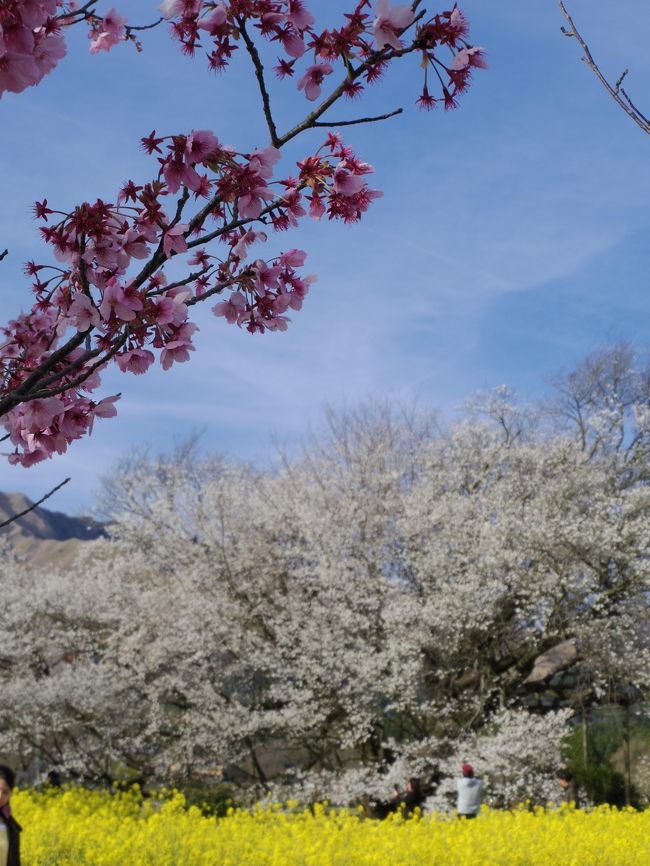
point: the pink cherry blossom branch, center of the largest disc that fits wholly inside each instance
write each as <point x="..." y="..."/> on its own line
<point x="41" y="406"/>
<point x="616" y="91"/>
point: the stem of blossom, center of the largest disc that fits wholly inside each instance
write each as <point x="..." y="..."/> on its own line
<point x="259" y="75"/>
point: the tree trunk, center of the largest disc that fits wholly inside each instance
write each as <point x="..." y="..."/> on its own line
<point x="627" y="763"/>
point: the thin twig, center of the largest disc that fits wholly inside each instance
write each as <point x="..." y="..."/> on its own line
<point x="35" y="505"/>
<point x="615" y="91"/>
<point x="130" y="27"/>
<point x="77" y="12"/>
<point x="645" y="119"/>
<point x="617" y="86"/>
<point x="218" y="288"/>
<point x="358" y="120"/>
<point x="3" y="254"/>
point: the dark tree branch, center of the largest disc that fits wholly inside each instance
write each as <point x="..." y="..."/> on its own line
<point x="615" y="90"/>
<point x="358" y="120"/>
<point x="13" y="398"/>
<point x="3" y="254"/>
<point x="261" y="83"/>
<point x="130" y="27"/>
<point x="77" y="13"/>
<point x="35" y="505"/>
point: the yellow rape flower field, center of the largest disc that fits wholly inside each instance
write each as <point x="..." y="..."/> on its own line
<point x="77" y="827"/>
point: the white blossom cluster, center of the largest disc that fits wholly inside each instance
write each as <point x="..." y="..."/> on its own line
<point x="368" y="611"/>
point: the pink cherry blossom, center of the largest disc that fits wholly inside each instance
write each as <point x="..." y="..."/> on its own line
<point x="40" y="414"/>
<point x="124" y="303"/>
<point x="178" y="349"/>
<point x="135" y="361"/>
<point x="299" y="16"/>
<point x="293" y="258"/>
<point x="179" y="174"/>
<point x="174" y="242"/>
<point x="200" y="144"/>
<point x="83" y="313"/>
<point x="110" y="31"/>
<point x="240" y="249"/>
<point x="215" y="19"/>
<point x="104" y="409"/>
<point x="312" y="80"/>
<point x="263" y="160"/>
<point x="469" y="57"/>
<point x="172" y="8"/>
<point x="265" y="277"/>
<point x="232" y="308"/>
<point x="109" y="313"/>
<point x="345" y="182"/>
<point x="251" y="202"/>
<point x="292" y="43"/>
<point x="316" y="207"/>
<point x="388" y="22"/>
<point x="171" y="309"/>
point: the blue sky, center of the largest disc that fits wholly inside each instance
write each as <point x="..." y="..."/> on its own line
<point x="513" y="236"/>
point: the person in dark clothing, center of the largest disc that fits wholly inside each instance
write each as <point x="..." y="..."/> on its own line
<point x="53" y="779"/>
<point x="414" y="797"/>
<point x="569" y="788"/>
<point x="9" y="827"/>
<point x="411" y="799"/>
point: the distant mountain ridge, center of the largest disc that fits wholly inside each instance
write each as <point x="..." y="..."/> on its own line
<point x="45" y="538"/>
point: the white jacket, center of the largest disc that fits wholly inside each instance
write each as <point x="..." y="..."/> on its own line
<point x="470" y="791"/>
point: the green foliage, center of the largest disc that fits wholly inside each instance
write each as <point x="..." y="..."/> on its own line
<point x="210" y="799"/>
<point x="596" y="775"/>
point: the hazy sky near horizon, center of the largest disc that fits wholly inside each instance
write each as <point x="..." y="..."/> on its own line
<point x="512" y="238"/>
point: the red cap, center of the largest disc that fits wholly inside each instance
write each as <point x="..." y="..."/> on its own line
<point x="468" y="770"/>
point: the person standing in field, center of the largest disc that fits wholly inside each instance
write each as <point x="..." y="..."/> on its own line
<point x="9" y="827"/>
<point x="470" y="793"/>
<point x="569" y="788"/>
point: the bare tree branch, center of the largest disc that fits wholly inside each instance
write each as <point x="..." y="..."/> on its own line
<point x="358" y="119"/>
<point x="615" y="90"/>
<point x="35" y="505"/>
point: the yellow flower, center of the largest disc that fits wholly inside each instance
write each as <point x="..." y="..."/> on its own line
<point x="77" y="827"/>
